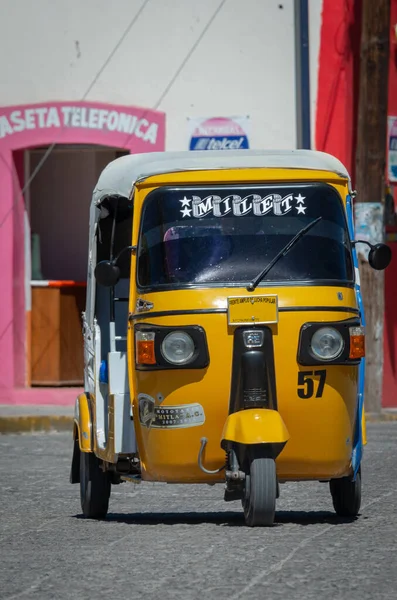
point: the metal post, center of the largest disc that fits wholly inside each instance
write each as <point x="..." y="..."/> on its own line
<point x="302" y="74"/>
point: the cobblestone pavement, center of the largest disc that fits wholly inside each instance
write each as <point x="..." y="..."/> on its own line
<point x="184" y="542"/>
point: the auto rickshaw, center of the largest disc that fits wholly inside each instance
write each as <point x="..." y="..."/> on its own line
<point x="224" y="328"/>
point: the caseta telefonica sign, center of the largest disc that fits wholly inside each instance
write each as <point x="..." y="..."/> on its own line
<point x="139" y="123"/>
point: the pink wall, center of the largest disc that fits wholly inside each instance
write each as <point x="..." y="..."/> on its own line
<point x="6" y="275"/>
<point x="18" y="266"/>
<point x="135" y="129"/>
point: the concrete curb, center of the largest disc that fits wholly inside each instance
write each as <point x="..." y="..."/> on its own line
<point x="381" y="417"/>
<point x="56" y="423"/>
<point x="30" y="424"/>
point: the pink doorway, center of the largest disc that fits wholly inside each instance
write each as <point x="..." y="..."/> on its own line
<point x="129" y="129"/>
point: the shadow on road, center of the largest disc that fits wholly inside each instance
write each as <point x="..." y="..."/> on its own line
<point x="312" y="518"/>
<point x="225" y="519"/>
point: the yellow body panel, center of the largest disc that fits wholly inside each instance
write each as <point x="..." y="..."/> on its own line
<point x="83" y="424"/>
<point x="320" y="429"/>
<point x="255" y="426"/>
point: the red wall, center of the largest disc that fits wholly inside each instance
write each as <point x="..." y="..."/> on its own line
<point x="336" y="132"/>
<point x="337" y="96"/>
<point x="389" y="399"/>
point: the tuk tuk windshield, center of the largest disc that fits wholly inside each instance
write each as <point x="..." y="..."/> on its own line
<point x="227" y="235"/>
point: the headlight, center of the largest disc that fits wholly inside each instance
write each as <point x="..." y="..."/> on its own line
<point x="177" y="348"/>
<point x="327" y="343"/>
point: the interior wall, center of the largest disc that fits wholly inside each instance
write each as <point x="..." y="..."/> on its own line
<point x="60" y="197"/>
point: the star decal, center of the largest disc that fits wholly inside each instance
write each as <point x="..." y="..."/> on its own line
<point x="301" y="209"/>
<point x="186" y="211"/>
<point x="300" y="198"/>
<point x="185" y="202"/>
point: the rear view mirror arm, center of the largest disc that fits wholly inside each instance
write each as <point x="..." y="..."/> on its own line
<point x="354" y="242"/>
<point x="130" y="248"/>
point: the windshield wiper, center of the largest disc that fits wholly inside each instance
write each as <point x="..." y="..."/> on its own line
<point x="251" y="286"/>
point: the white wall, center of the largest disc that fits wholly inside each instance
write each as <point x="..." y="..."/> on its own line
<point x="244" y="64"/>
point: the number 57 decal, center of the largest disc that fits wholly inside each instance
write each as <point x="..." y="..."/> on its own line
<point x="306" y="383"/>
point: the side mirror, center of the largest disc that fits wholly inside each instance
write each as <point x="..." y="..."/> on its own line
<point x="379" y="256"/>
<point x="107" y="273"/>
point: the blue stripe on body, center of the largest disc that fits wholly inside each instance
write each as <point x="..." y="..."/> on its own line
<point x="357" y="450"/>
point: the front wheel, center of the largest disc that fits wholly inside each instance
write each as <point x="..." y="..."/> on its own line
<point x="259" y="503"/>
<point x="346" y="495"/>
<point x="94" y="487"/>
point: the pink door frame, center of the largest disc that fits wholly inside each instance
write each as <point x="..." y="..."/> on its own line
<point x="135" y="129"/>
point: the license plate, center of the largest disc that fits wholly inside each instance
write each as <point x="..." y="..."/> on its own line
<point x="255" y="310"/>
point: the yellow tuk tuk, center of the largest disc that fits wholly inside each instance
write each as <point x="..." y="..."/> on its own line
<point x="224" y="328"/>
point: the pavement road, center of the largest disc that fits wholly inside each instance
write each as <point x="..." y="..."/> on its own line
<point x="183" y="542"/>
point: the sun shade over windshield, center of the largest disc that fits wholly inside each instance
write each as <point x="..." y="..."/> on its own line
<point x="226" y="235"/>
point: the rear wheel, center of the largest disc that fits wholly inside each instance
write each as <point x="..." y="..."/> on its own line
<point x="346" y="495"/>
<point x="259" y="502"/>
<point x="94" y="487"/>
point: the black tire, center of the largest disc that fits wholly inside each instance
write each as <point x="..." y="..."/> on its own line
<point x="346" y="495"/>
<point x="94" y="487"/>
<point x="259" y="503"/>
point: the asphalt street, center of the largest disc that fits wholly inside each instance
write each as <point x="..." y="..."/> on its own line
<point x="183" y="542"/>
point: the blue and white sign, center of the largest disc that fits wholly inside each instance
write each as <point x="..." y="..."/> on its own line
<point x="219" y="133"/>
<point x="392" y="149"/>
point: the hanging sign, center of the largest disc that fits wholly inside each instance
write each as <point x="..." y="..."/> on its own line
<point x="368" y="217"/>
<point x="392" y="149"/>
<point x="218" y="133"/>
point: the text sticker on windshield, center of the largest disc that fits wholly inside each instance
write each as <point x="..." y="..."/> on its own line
<point x="238" y="206"/>
<point x="255" y="310"/>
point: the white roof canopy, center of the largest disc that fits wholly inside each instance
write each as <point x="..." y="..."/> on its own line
<point x="119" y="177"/>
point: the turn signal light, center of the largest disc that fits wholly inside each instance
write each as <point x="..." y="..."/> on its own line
<point x="357" y="342"/>
<point x="145" y="353"/>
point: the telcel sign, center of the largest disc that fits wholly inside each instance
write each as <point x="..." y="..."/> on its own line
<point x="219" y="133"/>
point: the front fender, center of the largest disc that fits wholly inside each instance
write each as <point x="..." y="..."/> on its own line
<point x="255" y="426"/>
<point x="83" y="423"/>
<point x="82" y="434"/>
